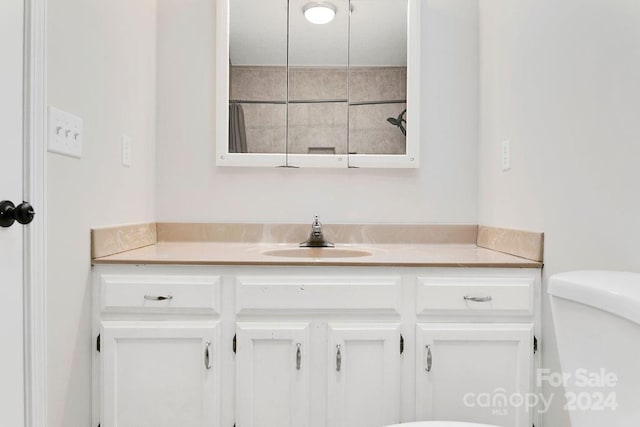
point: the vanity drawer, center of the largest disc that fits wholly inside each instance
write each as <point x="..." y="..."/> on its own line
<point x="159" y="294"/>
<point x="477" y="296"/>
<point x="321" y="293"/>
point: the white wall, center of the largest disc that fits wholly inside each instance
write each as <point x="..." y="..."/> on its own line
<point x="561" y="80"/>
<point x="101" y="67"/>
<point x="191" y="188"/>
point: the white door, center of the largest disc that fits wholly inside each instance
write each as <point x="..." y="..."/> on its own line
<point x="160" y="374"/>
<point x="272" y="374"/>
<point x="363" y="375"/>
<point x="11" y="243"/>
<point x="466" y="371"/>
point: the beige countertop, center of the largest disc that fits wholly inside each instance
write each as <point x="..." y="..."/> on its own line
<point x="397" y="255"/>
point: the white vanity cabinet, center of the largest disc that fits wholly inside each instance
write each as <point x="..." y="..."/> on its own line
<point x="317" y="350"/>
<point x="463" y="369"/>
<point x="475" y="347"/>
<point x="363" y="374"/>
<point x="251" y="346"/>
<point x="157" y="374"/>
<point x="280" y="366"/>
<point x="272" y="374"/>
<point x="157" y="349"/>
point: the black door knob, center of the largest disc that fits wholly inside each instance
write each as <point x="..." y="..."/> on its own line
<point x="10" y="213"/>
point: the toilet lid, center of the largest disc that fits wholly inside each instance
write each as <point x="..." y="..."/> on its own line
<point x="441" y="424"/>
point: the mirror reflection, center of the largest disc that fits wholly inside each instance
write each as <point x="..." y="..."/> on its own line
<point x="318" y="85"/>
<point x="318" y="78"/>
<point x="378" y="77"/>
<point x="258" y="76"/>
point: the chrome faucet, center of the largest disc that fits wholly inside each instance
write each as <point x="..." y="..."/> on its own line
<point x="316" y="239"/>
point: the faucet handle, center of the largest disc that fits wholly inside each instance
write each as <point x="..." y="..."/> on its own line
<point x="316" y="226"/>
<point x="316" y="239"/>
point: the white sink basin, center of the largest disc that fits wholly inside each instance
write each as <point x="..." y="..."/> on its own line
<point x="317" y="253"/>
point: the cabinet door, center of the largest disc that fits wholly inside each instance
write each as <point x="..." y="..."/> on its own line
<point x="465" y="372"/>
<point x="363" y="375"/>
<point x="157" y="374"/>
<point x="272" y="374"/>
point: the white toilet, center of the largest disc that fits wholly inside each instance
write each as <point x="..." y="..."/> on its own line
<point x="440" y="424"/>
<point x="597" y="322"/>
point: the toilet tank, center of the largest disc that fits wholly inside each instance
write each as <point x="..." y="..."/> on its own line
<point x="596" y="316"/>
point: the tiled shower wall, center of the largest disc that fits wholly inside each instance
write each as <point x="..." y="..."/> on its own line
<point x="321" y="126"/>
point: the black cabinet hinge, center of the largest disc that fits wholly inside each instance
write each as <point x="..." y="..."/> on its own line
<point x="234" y="349"/>
<point x="401" y="344"/>
<point x="98" y="348"/>
<point x="535" y="345"/>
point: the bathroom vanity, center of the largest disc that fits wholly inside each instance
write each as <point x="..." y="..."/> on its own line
<point x="185" y="335"/>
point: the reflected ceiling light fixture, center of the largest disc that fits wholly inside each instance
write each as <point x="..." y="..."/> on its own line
<point x="319" y="12"/>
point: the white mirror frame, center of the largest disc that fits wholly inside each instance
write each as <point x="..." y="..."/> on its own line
<point x="409" y="160"/>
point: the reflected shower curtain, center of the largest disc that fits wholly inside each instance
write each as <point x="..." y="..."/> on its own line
<point x="237" y="131"/>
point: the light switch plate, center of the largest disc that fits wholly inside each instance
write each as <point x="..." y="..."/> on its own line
<point x="506" y="155"/>
<point x="65" y="133"/>
<point x="127" y="148"/>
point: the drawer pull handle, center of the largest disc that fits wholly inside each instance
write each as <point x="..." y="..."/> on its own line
<point x="298" y="356"/>
<point x="207" y="359"/>
<point x="338" y="358"/>
<point x="158" y="297"/>
<point x="478" y="299"/>
<point x="429" y="359"/>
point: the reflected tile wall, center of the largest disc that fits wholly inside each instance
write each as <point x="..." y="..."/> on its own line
<point x="258" y="83"/>
<point x="318" y="125"/>
<point x="370" y="133"/>
<point x="265" y="125"/>
<point x="321" y="125"/>
<point x="378" y="84"/>
<point x="317" y="83"/>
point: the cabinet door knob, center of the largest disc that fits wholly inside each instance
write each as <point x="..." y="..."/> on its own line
<point x="298" y="356"/>
<point x="207" y="358"/>
<point x="158" y="297"/>
<point x="338" y="358"/>
<point x="429" y="359"/>
<point x="478" y="299"/>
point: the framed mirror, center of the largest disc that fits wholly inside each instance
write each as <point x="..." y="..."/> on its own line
<point x="318" y="83"/>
